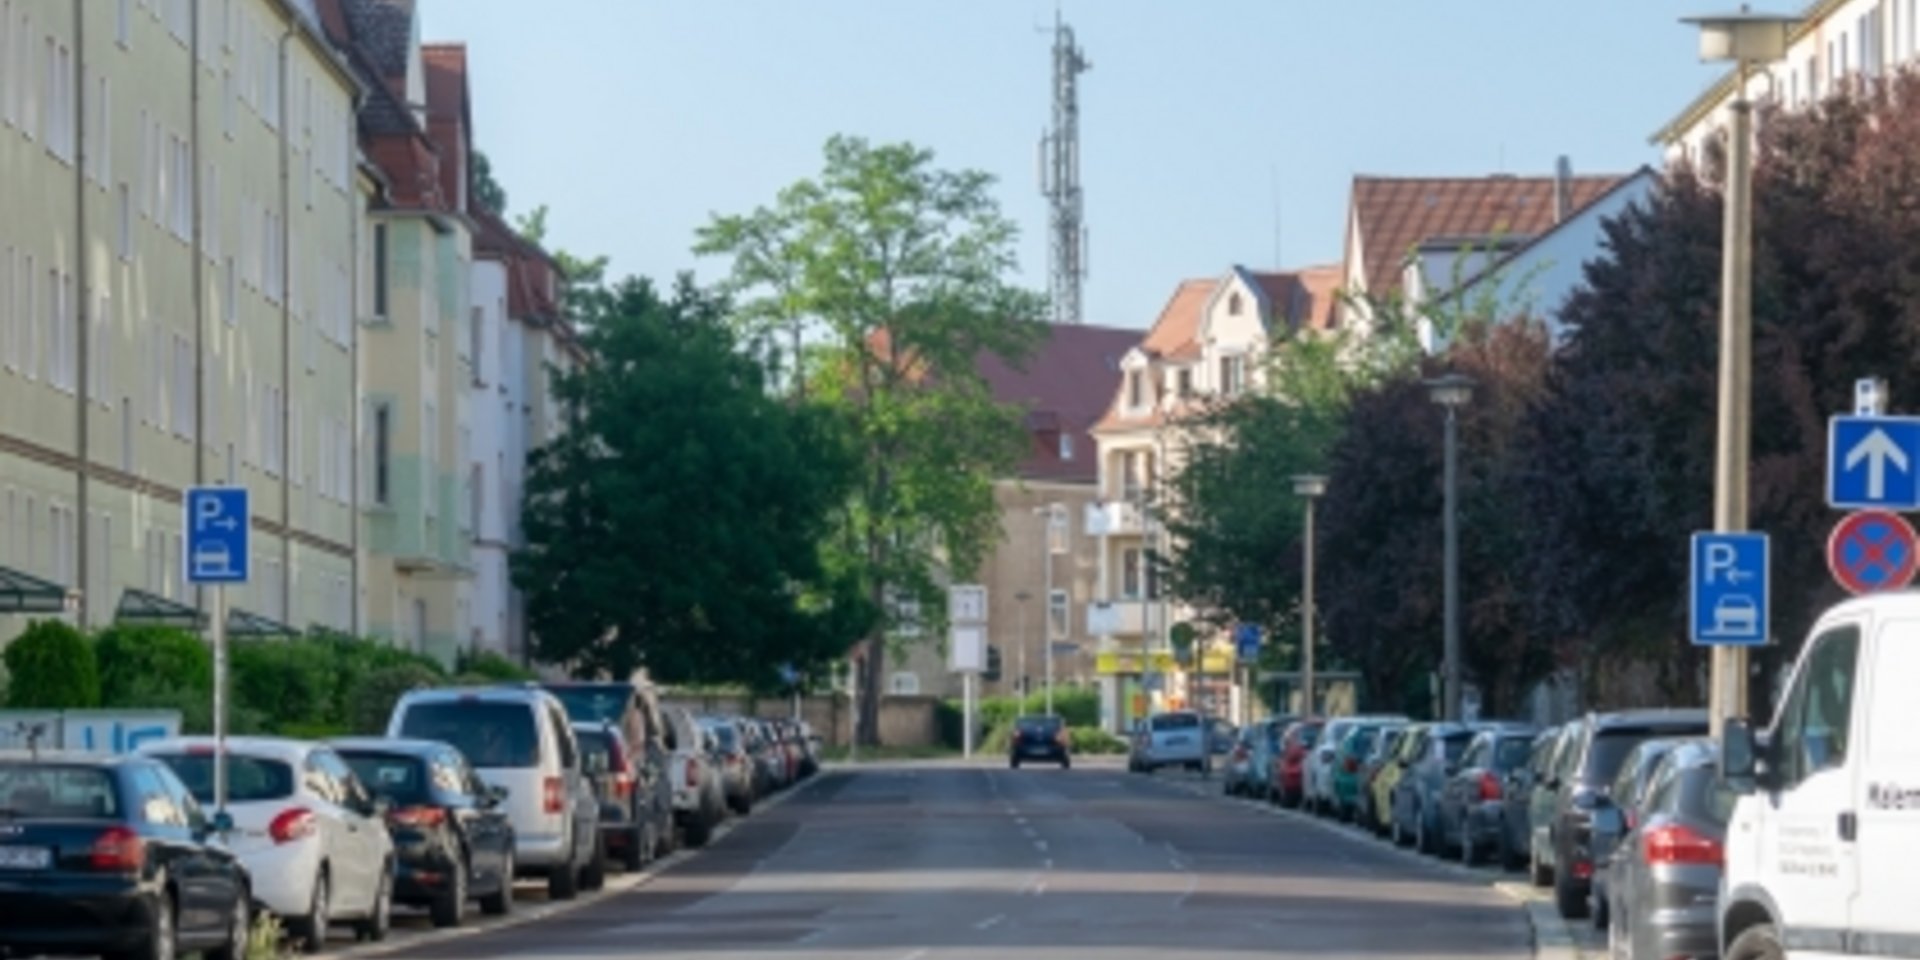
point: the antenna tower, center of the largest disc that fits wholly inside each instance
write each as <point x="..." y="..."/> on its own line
<point x="1060" y="178"/>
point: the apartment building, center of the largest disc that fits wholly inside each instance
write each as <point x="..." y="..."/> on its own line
<point x="179" y="245"/>
<point x="1206" y="346"/>
<point x="1836" y="43"/>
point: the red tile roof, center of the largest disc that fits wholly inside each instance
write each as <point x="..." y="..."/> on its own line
<point x="1394" y="214"/>
<point x="449" y="115"/>
<point x="1322" y="288"/>
<point x="1174" y="334"/>
<point x="1065" y="386"/>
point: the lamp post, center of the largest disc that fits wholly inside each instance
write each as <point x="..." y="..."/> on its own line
<point x="1053" y="516"/>
<point x="1748" y="40"/>
<point x="1309" y="487"/>
<point x="1020" y="662"/>
<point x="1452" y="392"/>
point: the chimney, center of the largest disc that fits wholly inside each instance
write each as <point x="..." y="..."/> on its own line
<point x="1562" y="188"/>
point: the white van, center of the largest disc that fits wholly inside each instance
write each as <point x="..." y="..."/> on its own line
<point x="518" y="738"/>
<point x="1821" y="847"/>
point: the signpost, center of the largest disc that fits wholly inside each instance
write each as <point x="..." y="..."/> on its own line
<point x="967" y="650"/>
<point x="1873" y="463"/>
<point x="218" y="523"/>
<point x="1728" y="599"/>
<point x="1871" y="551"/>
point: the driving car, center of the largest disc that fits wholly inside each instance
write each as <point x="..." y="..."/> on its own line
<point x="1039" y="737"/>
<point x="518" y="737"/>
<point x="311" y="836"/>
<point x="112" y="854"/>
<point x="452" y="842"/>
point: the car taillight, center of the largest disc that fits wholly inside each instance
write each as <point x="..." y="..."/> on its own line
<point x="1489" y="787"/>
<point x="623" y="784"/>
<point x="1353" y="764"/>
<point x="118" y="850"/>
<point x="693" y="774"/>
<point x="417" y="817"/>
<point x="552" y="795"/>
<point x="293" y="823"/>
<point x="1060" y="736"/>
<point x="1677" y="844"/>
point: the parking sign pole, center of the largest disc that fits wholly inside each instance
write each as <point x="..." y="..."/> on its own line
<point x="219" y="698"/>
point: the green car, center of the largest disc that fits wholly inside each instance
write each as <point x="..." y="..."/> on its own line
<point x="1349" y="762"/>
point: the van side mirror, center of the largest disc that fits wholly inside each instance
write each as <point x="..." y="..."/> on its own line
<point x="1739" y="756"/>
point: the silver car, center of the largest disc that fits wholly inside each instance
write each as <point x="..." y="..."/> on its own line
<point x="1177" y="738"/>
<point x="1664" y="877"/>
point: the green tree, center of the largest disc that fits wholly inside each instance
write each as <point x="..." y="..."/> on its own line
<point x="135" y="660"/>
<point x="488" y="194"/>
<point x="52" y="667"/>
<point x="584" y="279"/>
<point x="900" y="270"/>
<point x="678" y="523"/>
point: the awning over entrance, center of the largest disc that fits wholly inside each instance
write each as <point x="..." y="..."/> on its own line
<point x="23" y="593"/>
<point x="141" y="607"/>
<point x="252" y="626"/>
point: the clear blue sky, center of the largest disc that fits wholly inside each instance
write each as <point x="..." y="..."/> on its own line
<point x="635" y="120"/>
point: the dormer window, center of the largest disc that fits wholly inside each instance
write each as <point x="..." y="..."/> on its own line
<point x="1066" y="446"/>
<point x="1233" y="304"/>
<point x="1186" y="383"/>
<point x="1135" y="390"/>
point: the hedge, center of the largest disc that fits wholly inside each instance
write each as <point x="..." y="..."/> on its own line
<point x="52" y="666"/>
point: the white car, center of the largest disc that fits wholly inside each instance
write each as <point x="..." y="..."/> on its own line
<point x="312" y="837"/>
<point x="699" y="795"/>
<point x="518" y="738"/>
<point x="1318" y="770"/>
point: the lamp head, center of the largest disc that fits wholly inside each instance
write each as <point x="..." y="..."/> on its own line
<point x="1452" y="390"/>
<point x="1309" y="485"/>
<point x="1743" y="37"/>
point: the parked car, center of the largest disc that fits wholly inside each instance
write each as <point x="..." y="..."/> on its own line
<point x="1415" y="801"/>
<point x="1523" y="794"/>
<point x="699" y="796"/>
<point x="1665" y="876"/>
<point x="1266" y="747"/>
<point x="1614" y="814"/>
<point x="113" y="855"/>
<point x="634" y="710"/>
<point x="1039" y="737"/>
<point x="1323" y="760"/>
<point x="452" y="842"/>
<point x="1385" y="745"/>
<point x="1584" y="768"/>
<point x="518" y="737"/>
<point x="1472" y="802"/>
<point x="1288" y="779"/>
<point x="1341" y="780"/>
<point x="769" y="761"/>
<point x="626" y="830"/>
<point x="1221" y="737"/>
<point x="1388" y="778"/>
<point x="309" y="833"/>
<point x="811" y="745"/>
<point x="1238" y="777"/>
<point x="1176" y="738"/>
<point x="731" y="763"/>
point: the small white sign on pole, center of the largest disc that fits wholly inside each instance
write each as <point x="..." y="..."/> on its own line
<point x="967" y="603"/>
<point x="967" y="648"/>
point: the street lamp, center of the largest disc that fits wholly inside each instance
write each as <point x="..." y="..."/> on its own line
<point x="1020" y="663"/>
<point x="1452" y="392"/>
<point x="1748" y="40"/>
<point x="1309" y="487"/>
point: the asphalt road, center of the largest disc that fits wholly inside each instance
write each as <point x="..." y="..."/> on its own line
<point x="949" y="862"/>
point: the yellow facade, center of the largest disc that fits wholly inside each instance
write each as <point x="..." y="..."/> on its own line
<point x="178" y="213"/>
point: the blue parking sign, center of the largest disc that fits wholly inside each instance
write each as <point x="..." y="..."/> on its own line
<point x="1728" y="599"/>
<point x="217" y="543"/>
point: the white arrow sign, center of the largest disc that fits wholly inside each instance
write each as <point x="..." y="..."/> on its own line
<point x="1877" y="449"/>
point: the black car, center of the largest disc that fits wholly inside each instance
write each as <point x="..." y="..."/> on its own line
<point x="1041" y="737"/>
<point x="452" y="842"/>
<point x="634" y="710"/>
<point x="1473" y="799"/>
<point x="112" y="855"/>
<point x="625" y="829"/>
<point x="1579" y="784"/>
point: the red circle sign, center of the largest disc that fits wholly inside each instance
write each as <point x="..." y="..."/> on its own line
<point x="1873" y="551"/>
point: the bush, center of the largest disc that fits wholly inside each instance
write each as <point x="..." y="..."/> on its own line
<point x="1093" y="740"/>
<point x="287" y="683"/>
<point x="355" y="660"/>
<point x="373" y="698"/>
<point x="52" y="667"/>
<point x="491" y="668"/>
<point x="949" y="718"/>
<point x="140" y="663"/>
<point x="999" y="739"/>
<point x="195" y="706"/>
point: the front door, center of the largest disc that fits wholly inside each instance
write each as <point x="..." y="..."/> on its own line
<point x="1886" y="785"/>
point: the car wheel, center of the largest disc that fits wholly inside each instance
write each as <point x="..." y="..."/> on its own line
<point x="634" y="855"/>
<point x="1013" y="763"/>
<point x="376" y="926"/>
<point x="1066" y="763"/>
<point x="1569" y="901"/>
<point x="450" y="908"/>
<point x="1537" y="872"/>
<point x="746" y="804"/>
<point x="311" y="930"/>
<point x="239" y="930"/>
<point x="563" y="883"/>
<point x="161" y="939"/>
<point x="699" y="832"/>
<point x="1760" y="942"/>
<point x="593" y="876"/>
<point x="499" y="903"/>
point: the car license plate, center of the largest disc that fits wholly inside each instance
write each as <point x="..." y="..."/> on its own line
<point x="1176" y="741"/>
<point x="25" y="858"/>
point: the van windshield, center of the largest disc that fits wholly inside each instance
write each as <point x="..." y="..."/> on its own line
<point x="492" y="735"/>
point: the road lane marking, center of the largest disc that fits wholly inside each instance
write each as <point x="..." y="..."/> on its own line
<point x="1193" y="883"/>
<point x="990" y="922"/>
<point x="916" y="955"/>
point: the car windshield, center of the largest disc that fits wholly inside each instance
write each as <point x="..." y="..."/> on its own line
<point x="724" y="733"/>
<point x="1453" y="745"/>
<point x="597" y="703"/>
<point x="397" y="777"/>
<point x="1309" y="734"/>
<point x="1175" y="721"/>
<point x="249" y="779"/>
<point x="492" y="735"/>
<point x="41" y="791"/>
<point x="1360" y="742"/>
<point x="1511" y="753"/>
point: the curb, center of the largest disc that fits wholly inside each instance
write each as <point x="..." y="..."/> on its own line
<point x="1553" y="936"/>
<point x="616" y="885"/>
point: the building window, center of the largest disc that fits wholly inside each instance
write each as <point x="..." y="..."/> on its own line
<point x="904" y="683"/>
<point x="126" y="434"/>
<point x="1059" y="620"/>
<point x="1135" y="393"/>
<point x="1233" y="304"/>
<point x="476" y="497"/>
<point x="1184" y="381"/>
<point x="477" y="335"/>
<point x="1066" y="446"/>
<point x="1233" y="371"/>
<point x="1130" y="573"/>
<point x="380" y="271"/>
<point x="383" y="454"/>
<point x="430" y="456"/>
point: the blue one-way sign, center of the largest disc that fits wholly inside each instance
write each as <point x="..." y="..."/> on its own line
<point x="1728" y="597"/>
<point x="217" y="526"/>
<point x="1873" y="462"/>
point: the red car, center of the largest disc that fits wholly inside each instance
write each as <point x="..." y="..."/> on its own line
<point x="1289" y="765"/>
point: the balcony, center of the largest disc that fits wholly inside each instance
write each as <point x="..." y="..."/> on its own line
<point x="1115" y="519"/>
